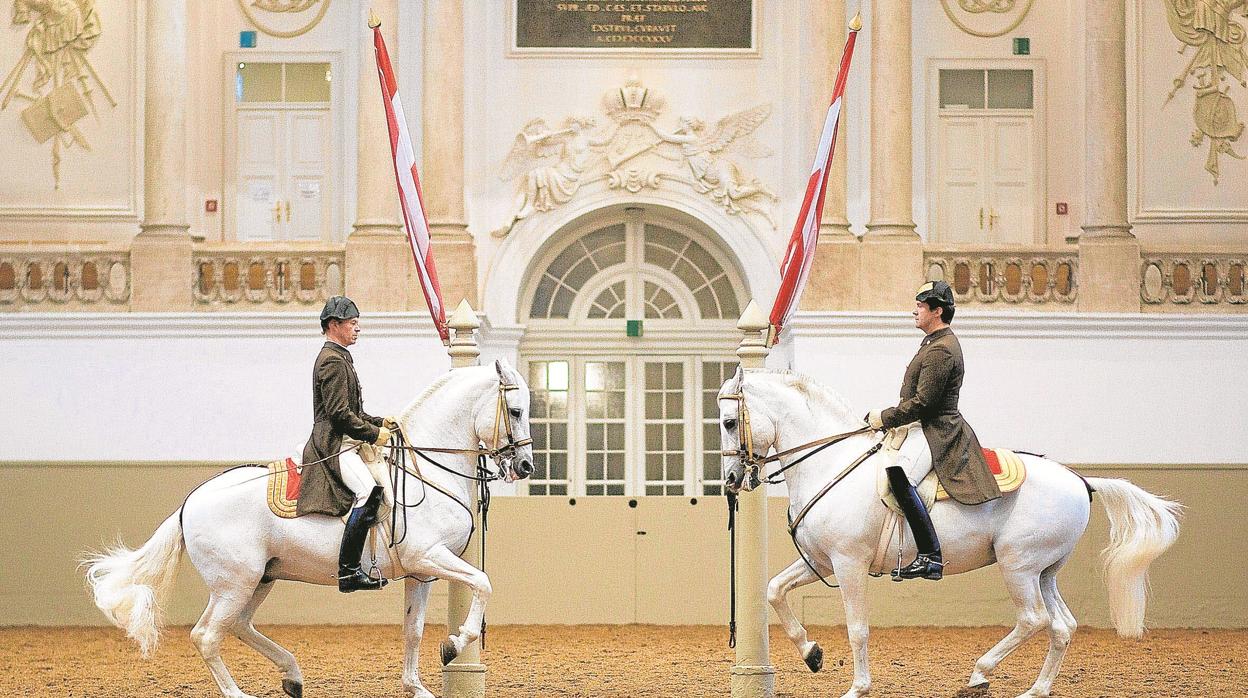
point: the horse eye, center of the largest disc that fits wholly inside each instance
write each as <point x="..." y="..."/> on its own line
<point x="730" y="424"/>
<point x="516" y="411"/>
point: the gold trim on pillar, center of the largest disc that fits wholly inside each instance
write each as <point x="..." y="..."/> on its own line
<point x="287" y="7"/>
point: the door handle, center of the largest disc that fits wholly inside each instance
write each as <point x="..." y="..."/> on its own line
<point x="288" y="210"/>
<point x="992" y="218"/>
<point x="277" y="211"/>
<point x="981" y="217"/>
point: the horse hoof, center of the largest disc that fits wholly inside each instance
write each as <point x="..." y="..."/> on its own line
<point x="814" y="659"/>
<point x="449" y="653"/>
<point x="294" y="689"/>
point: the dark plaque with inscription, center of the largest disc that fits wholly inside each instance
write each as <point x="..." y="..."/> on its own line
<point x="701" y="24"/>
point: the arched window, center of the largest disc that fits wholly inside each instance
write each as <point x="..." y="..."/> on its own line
<point x="630" y="333"/>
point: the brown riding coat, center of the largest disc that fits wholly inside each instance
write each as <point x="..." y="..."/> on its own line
<point x="338" y="411"/>
<point x="929" y="395"/>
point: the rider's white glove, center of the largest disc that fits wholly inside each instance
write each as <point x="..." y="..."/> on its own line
<point x="383" y="435"/>
<point x="390" y="423"/>
<point x="874" y="419"/>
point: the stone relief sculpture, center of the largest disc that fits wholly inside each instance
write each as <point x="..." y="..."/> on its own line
<point x="1011" y="11"/>
<point x="632" y="153"/>
<point x="62" y="80"/>
<point x="1206" y="25"/>
<point x="286" y="8"/>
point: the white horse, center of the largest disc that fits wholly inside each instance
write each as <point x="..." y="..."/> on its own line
<point x="1030" y="533"/>
<point x="241" y="549"/>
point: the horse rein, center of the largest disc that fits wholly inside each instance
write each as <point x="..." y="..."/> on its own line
<point x="502" y="423"/>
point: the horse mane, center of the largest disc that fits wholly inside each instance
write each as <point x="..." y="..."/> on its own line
<point x="425" y="394"/>
<point x="807" y="386"/>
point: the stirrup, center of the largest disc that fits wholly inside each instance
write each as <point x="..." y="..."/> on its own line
<point x="924" y="567"/>
<point x="356" y="579"/>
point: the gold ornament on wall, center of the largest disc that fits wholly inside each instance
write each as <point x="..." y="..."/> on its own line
<point x="1206" y="25"/>
<point x="287" y="8"/>
<point x="62" y="80"/>
<point x="1010" y="11"/>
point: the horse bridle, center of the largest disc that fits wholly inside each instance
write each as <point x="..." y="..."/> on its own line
<point x="502" y="425"/>
<point x="754" y="462"/>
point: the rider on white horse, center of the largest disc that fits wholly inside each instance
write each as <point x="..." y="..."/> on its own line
<point x="929" y="395"/>
<point x="337" y="481"/>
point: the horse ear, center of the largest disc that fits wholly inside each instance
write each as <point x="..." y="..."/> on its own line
<point x="500" y="365"/>
<point x="736" y="380"/>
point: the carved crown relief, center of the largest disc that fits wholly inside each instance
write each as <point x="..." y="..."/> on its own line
<point x="62" y="82"/>
<point x="987" y="18"/>
<point x="632" y="152"/>
<point x="1218" y="40"/>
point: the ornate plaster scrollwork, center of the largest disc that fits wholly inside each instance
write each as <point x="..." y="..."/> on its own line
<point x="290" y="8"/>
<point x="60" y="91"/>
<point x="1206" y="25"/>
<point x="1011" y="11"/>
<point x="632" y="153"/>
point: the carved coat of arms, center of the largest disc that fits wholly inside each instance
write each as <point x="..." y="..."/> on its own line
<point x="631" y="153"/>
<point x="62" y="81"/>
<point x="1218" y="40"/>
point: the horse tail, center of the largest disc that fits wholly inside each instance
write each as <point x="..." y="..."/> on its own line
<point x="128" y="585"/>
<point x="1142" y="526"/>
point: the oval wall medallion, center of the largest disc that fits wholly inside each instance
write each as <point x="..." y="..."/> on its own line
<point x="987" y="18"/>
<point x="290" y="18"/>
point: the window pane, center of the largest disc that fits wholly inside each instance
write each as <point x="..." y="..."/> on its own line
<point x="307" y="82"/>
<point x="962" y="88"/>
<point x="1009" y="89"/>
<point x="604" y="427"/>
<point x="548" y="385"/>
<point x="262" y="82"/>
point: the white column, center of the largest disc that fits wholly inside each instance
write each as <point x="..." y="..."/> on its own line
<point x="465" y="676"/>
<point x="160" y="259"/>
<point x="891" y="167"/>
<point x="752" y="674"/>
<point x="827" y="28"/>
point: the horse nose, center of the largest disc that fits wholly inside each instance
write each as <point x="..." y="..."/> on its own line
<point x="525" y="468"/>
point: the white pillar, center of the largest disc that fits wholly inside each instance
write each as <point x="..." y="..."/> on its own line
<point x="891" y="133"/>
<point x="160" y="257"/>
<point x="752" y="674"/>
<point x="465" y="676"/>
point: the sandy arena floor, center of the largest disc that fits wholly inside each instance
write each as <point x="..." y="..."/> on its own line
<point x="622" y="661"/>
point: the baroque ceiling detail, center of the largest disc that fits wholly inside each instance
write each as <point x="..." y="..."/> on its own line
<point x="1218" y="40"/>
<point x="632" y="152"/>
<point x="292" y="17"/>
<point x="987" y="18"/>
<point x="54" y="78"/>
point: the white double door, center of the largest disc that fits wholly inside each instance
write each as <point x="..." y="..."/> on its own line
<point x="986" y="175"/>
<point x="283" y="179"/>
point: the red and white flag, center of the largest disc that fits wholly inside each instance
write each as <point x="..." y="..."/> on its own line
<point x="801" y="251"/>
<point x="414" y="219"/>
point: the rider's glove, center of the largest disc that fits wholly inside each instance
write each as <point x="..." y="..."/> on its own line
<point x="874" y="419"/>
<point x="390" y="423"/>
<point x="383" y="435"/>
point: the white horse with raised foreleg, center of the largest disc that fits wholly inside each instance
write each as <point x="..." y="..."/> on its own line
<point x="241" y="549"/>
<point x="1030" y="533"/>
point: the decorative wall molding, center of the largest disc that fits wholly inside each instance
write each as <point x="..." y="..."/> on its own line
<point x="986" y="324"/>
<point x="1012" y="12"/>
<point x="631" y="153"/>
<point x="1218" y="41"/>
<point x="299" y="9"/>
<point x="255" y="325"/>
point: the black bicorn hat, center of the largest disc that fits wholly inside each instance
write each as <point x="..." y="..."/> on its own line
<point x="339" y="308"/>
<point x="936" y="292"/>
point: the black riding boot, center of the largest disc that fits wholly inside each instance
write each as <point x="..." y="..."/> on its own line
<point x="928" y="564"/>
<point x="350" y="576"/>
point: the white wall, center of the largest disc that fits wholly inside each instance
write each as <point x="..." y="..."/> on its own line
<point x="1087" y="388"/>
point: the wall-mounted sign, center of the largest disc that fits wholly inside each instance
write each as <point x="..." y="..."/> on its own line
<point x="716" y="25"/>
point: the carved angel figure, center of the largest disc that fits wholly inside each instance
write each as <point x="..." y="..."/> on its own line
<point x="1219" y="43"/>
<point x="552" y="162"/>
<point x="714" y="172"/>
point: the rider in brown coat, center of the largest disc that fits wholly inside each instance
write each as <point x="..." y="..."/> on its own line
<point x="929" y="395"/>
<point x="336" y="481"/>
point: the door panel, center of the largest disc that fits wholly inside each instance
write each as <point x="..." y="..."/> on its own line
<point x="689" y="543"/>
<point x="259" y="180"/>
<point x="307" y="164"/>
<point x="1012" y="195"/>
<point x="961" y="179"/>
